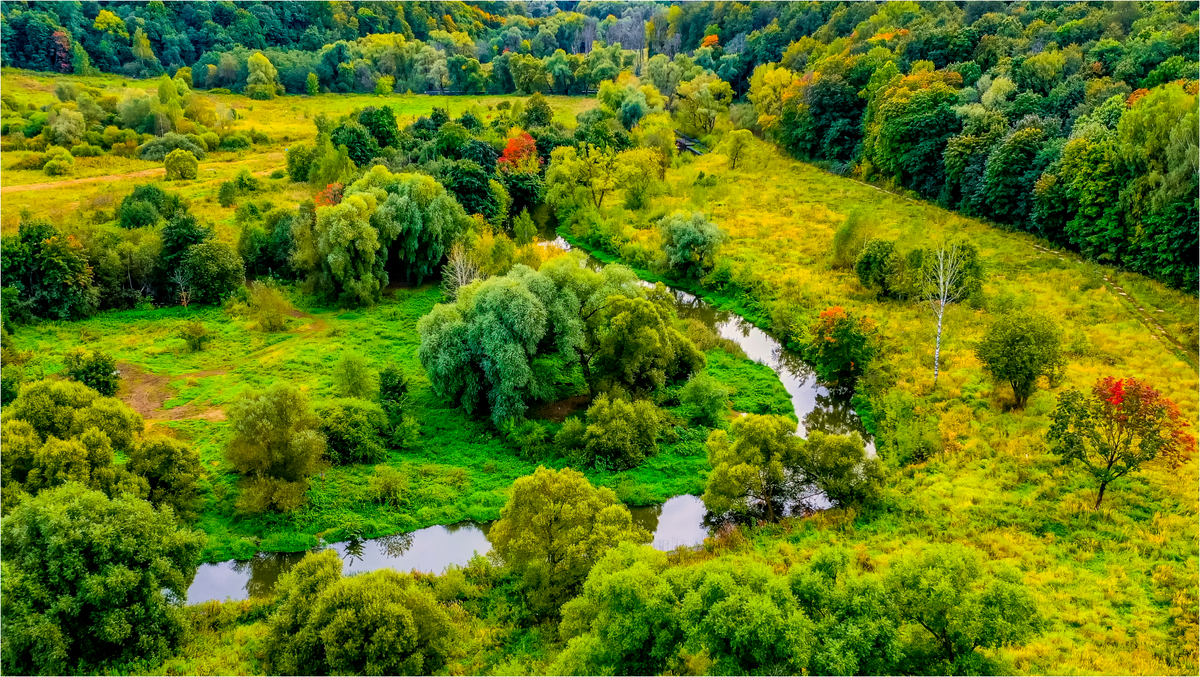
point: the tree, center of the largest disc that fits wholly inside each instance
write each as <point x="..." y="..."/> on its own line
<point x="842" y="345"/>
<point x="621" y="434"/>
<point x="181" y="165"/>
<point x="707" y="397"/>
<point x="459" y="271"/>
<point x="944" y="590"/>
<point x="524" y="228"/>
<point x="878" y="267"/>
<point x="952" y="274"/>
<point x="274" y="443"/>
<point x="538" y="112"/>
<point x="312" y="86"/>
<point x="636" y="346"/>
<point x="1120" y="427"/>
<point x="378" y="623"/>
<point x="554" y="527"/>
<point x="839" y="467"/>
<point x="381" y="123"/>
<point x="216" y="271"/>
<point x="1018" y="349"/>
<point x="90" y="583"/>
<point x="299" y="161"/>
<point x="626" y="620"/>
<point x="737" y="144"/>
<point x="65" y="409"/>
<point x="172" y="470"/>
<point x="637" y="175"/>
<point x="353" y="430"/>
<point x="262" y="81"/>
<point x="359" y="142"/>
<point x="749" y="474"/>
<point x="50" y="273"/>
<point x="580" y="177"/>
<point x="96" y="370"/>
<point x="701" y="101"/>
<point x="353" y="378"/>
<point x="690" y="243"/>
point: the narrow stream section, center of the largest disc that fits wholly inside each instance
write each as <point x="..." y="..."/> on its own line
<point x="678" y="522"/>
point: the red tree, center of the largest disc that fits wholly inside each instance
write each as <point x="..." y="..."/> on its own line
<point x="520" y="155"/>
<point x="331" y="195"/>
<point x="1122" y="425"/>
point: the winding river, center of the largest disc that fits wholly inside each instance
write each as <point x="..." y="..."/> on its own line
<point x="678" y="522"/>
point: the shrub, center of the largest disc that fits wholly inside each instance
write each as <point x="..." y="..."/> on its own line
<point x="707" y="397"/>
<point x="299" y="161"/>
<point x="196" y="335"/>
<point x="353" y="430"/>
<point x="67" y="553"/>
<point x="181" y="164"/>
<point x="841" y="345"/>
<point x="621" y="434"/>
<point x="158" y="149"/>
<point x="353" y="378"/>
<point x="234" y="142"/>
<point x="172" y="470"/>
<point x="31" y="161"/>
<point x="95" y="370"/>
<point x="58" y="161"/>
<point x="389" y="486"/>
<point x="878" y="266"/>
<point x="275" y="444"/>
<point x="146" y="204"/>
<point x="211" y="141"/>
<point x="268" y="305"/>
<point x="850" y="238"/>
<point x="227" y="194"/>
<point x="86" y="150"/>
<point x="216" y="271"/>
<point x="690" y="243"/>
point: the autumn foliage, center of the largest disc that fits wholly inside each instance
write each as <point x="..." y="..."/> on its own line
<point x="841" y="344"/>
<point x="329" y="196"/>
<point x="520" y="155"/>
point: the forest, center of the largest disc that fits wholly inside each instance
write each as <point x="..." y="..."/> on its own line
<point x="599" y="337"/>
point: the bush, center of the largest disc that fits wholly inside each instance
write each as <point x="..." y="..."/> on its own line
<point x="268" y="305"/>
<point x="690" y="243"/>
<point x="216" y="271"/>
<point x="841" y="345"/>
<point x="227" y="194"/>
<point x="211" y="141"/>
<point x="181" y="165"/>
<point x="621" y="434"/>
<point x="31" y="161"/>
<point x="353" y="378"/>
<point x="158" y="149"/>
<point x="196" y="335"/>
<point x="146" y="205"/>
<point x="299" y="161"/>
<point x="353" y="430"/>
<point x="90" y="583"/>
<point x="1020" y="348"/>
<point x="172" y="470"/>
<point x="275" y="444"/>
<point x="58" y="161"/>
<point x="707" y="397"/>
<point x="389" y="486"/>
<point x="95" y="370"/>
<point x="849" y="239"/>
<point x="86" y="150"/>
<point x="878" y="267"/>
<point x="234" y="142"/>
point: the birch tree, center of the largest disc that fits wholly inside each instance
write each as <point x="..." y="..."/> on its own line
<point x="944" y="285"/>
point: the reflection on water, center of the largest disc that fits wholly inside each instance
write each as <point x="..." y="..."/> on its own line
<point x="679" y="521"/>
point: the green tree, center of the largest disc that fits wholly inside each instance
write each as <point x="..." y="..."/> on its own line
<point x="275" y="444"/>
<point x="172" y="469"/>
<point x="215" y="269"/>
<point x="636" y="346"/>
<point x="839" y="466"/>
<point x="524" y="229"/>
<point x="181" y="165"/>
<point x="945" y="590"/>
<point x="378" y="623"/>
<point x="299" y="161"/>
<point x="1018" y="349"/>
<point x="637" y="175"/>
<point x="353" y="430"/>
<point x="878" y="267"/>
<point x="737" y="144"/>
<point x="311" y="85"/>
<point x="841" y="345"/>
<point x="580" y="178"/>
<point x="707" y="397"/>
<point x="554" y="527"/>
<point x="353" y="378"/>
<point x="621" y="434"/>
<point x="690" y="242"/>
<point x="701" y="101"/>
<point x="262" y="80"/>
<point x="64" y="409"/>
<point x="626" y="621"/>
<point x="90" y="583"/>
<point x="1121" y="426"/>
<point x="96" y="370"/>
<point x="749" y="472"/>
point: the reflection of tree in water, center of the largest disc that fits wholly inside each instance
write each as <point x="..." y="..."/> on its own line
<point x="354" y="550"/>
<point x="834" y="415"/>
<point x="265" y="568"/>
<point x="647" y="516"/>
<point x="396" y="544"/>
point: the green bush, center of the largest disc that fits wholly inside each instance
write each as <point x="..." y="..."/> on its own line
<point x="621" y="434"/>
<point x="227" y="194"/>
<point x="234" y="142"/>
<point x="850" y="238"/>
<point x="878" y="267"/>
<point x="707" y="397"/>
<point x="96" y="370"/>
<point x="172" y="469"/>
<point x="90" y="583"/>
<point x="691" y="243"/>
<point x="275" y="444"/>
<point x="181" y="165"/>
<point x="86" y="150"/>
<point x="353" y="430"/>
<point x="299" y="161"/>
<point x="196" y="335"/>
<point x="389" y="486"/>
<point x="353" y="378"/>
<point x="216" y="271"/>
<point x="158" y="149"/>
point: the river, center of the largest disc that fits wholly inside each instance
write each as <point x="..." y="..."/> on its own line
<point x="678" y="522"/>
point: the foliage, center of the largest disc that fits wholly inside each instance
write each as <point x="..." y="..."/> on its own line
<point x="849" y="239"/>
<point x="1121" y="426"/>
<point x="353" y="378"/>
<point x="95" y="370"/>
<point x="749" y="473"/>
<point x="159" y="148"/>
<point x="691" y="243"/>
<point x="842" y="345"/>
<point x="215" y="270"/>
<point x="1018" y="349"/>
<point x="555" y="526"/>
<point x="878" y="266"/>
<point x="839" y="466"/>
<point x="181" y="165"/>
<point x="90" y="582"/>
<point x="173" y="472"/>
<point x="707" y="397"/>
<point x="275" y="445"/>
<point x="636" y="346"/>
<point x="353" y="430"/>
<point x="300" y="158"/>
<point x="269" y="306"/>
<point x="620" y="434"/>
<point x="50" y="273"/>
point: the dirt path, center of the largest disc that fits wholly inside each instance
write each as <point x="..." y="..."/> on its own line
<point x="1157" y="331"/>
<point x="146" y="392"/>
<point x="156" y="171"/>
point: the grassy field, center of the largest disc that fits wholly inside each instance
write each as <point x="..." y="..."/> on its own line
<point x="1117" y="586"/>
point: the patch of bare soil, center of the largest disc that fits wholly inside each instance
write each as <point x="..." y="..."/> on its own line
<point x="560" y="410"/>
<point x="146" y="392"/>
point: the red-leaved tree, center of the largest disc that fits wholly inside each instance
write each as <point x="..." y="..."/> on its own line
<point x="1120" y="426"/>
<point x="329" y="196"/>
<point x="520" y="155"/>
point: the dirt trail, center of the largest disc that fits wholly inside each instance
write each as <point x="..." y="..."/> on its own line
<point x="156" y="171"/>
<point x="146" y="392"/>
<point x="1157" y="331"/>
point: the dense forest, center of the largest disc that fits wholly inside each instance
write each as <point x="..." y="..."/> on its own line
<point x="901" y="296"/>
